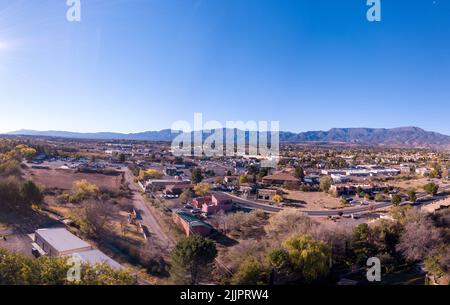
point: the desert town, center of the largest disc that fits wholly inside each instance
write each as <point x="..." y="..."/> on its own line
<point x="130" y="205"/>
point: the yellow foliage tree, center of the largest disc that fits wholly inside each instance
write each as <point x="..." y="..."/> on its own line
<point x="278" y="198"/>
<point x="25" y="151"/>
<point x="83" y="189"/>
<point x="149" y="174"/>
<point x="202" y="189"/>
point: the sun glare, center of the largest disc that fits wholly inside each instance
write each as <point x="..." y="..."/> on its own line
<point x="3" y="45"/>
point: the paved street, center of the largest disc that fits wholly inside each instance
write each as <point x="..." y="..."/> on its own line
<point x="422" y="198"/>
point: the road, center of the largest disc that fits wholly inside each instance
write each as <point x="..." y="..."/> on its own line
<point x="148" y="219"/>
<point x="422" y="198"/>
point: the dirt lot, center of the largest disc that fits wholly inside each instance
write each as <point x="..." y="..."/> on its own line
<point x="314" y="200"/>
<point x="414" y="183"/>
<point x="63" y="179"/>
<point x="17" y="244"/>
<point x="24" y="222"/>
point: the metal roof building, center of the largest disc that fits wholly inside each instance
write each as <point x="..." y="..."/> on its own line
<point x="60" y="242"/>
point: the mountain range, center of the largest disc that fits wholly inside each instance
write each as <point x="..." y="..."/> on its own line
<point x="395" y="137"/>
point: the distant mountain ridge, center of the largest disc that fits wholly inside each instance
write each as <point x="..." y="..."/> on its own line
<point x="395" y="137"/>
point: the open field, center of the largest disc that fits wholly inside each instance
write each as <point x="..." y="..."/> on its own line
<point x="413" y="183"/>
<point x="314" y="200"/>
<point x="63" y="179"/>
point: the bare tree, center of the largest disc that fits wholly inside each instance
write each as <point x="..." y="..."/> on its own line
<point x="420" y="237"/>
<point x="94" y="217"/>
<point x="288" y="222"/>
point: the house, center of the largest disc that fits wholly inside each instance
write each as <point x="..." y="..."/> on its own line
<point x="59" y="242"/>
<point x="280" y="179"/>
<point x="406" y="169"/>
<point x="311" y="179"/>
<point x="266" y="194"/>
<point x="155" y="185"/>
<point x="214" y="203"/>
<point x="329" y="172"/>
<point x="231" y="179"/>
<point x="171" y="171"/>
<point x="198" y="202"/>
<point x="177" y="188"/>
<point x="351" y="189"/>
<point x="219" y="202"/>
<point x="337" y="178"/>
<point x="191" y="224"/>
<point x="247" y="188"/>
<point x="423" y="171"/>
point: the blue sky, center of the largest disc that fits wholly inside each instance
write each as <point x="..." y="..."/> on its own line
<point x="136" y="65"/>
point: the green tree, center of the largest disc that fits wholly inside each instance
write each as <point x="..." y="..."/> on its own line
<point x="309" y="259"/>
<point x="379" y="197"/>
<point x="299" y="173"/>
<point x="412" y="195"/>
<point x="325" y="183"/>
<point x="186" y="196"/>
<point x="431" y="188"/>
<point x="362" y="246"/>
<point x="396" y="199"/>
<point x="9" y="193"/>
<point x="197" y="176"/>
<point x="31" y="193"/>
<point x="17" y="269"/>
<point x="250" y="272"/>
<point x="191" y="259"/>
<point x="122" y="158"/>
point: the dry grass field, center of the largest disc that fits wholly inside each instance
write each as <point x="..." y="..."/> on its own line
<point x="314" y="200"/>
<point x="414" y="183"/>
<point x="63" y="179"/>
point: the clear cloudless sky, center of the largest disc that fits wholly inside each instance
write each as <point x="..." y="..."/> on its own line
<point x="137" y="65"/>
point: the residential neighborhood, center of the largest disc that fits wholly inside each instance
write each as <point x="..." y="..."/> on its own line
<point x="224" y="151"/>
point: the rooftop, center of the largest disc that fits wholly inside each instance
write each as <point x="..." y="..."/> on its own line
<point x="94" y="257"/>
<point x="190" y="219"/>
<point x="61" y="239"/>
<point x="281" y="176"/>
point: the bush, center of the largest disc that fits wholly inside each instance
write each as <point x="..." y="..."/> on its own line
<point x="250" y="272"/>
<point x="9" y="192"/>
<point x="16" y="269"/>
<point x="82" y="190"/>
<point x="31" y="193"/>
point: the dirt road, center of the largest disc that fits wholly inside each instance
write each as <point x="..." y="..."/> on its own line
<point x="148" y="218"/>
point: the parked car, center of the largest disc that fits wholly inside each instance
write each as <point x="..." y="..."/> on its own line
<point x="196" y="211"/>
<point x="35" y="252"/>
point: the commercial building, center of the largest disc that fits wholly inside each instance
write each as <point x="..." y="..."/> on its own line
<point x="191" y="224"/>
<point x="59" y="242"/>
